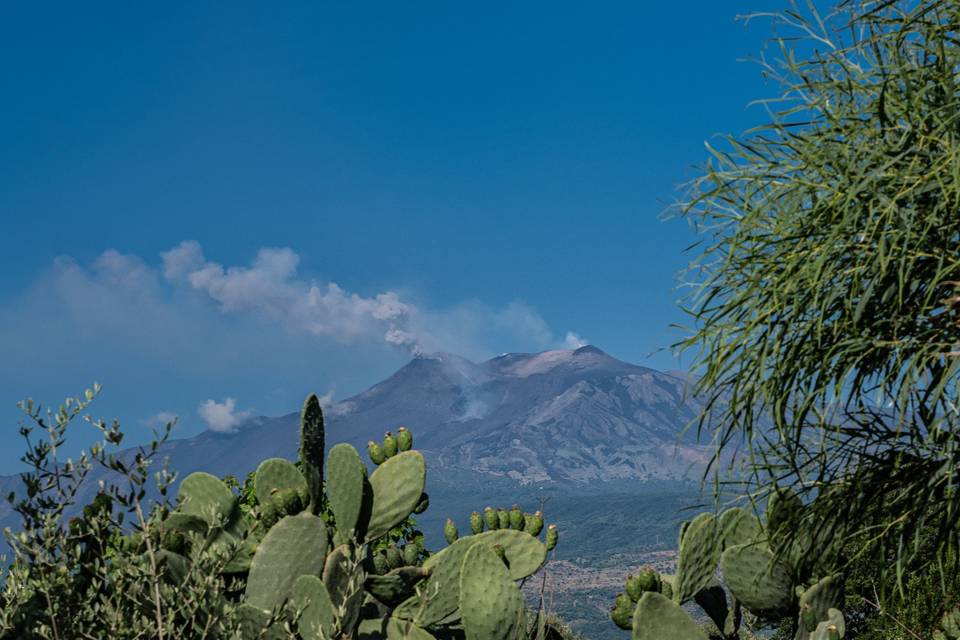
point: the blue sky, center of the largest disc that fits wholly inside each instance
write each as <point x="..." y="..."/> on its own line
<point x="204" y="202"/>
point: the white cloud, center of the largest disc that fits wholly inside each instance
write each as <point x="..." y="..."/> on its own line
<point x="270" y="286"/>
<point x="222" y="417"/>
<point x="574" y="341"/>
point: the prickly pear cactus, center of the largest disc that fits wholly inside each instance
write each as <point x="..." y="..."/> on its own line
<point x="277" y="474"/>
<point x="293" y="547"/>
<point x="346" y="484"/>
<point x="312" y="450"/>
<point x="659" y="618"/>
<point x="699" y="553"/>
<point x="205" y="496"/>
<point x="758" y="580"/>
<point x="397" y="485"/>
<point x="491" y="605"/>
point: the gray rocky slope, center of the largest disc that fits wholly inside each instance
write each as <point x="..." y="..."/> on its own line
<point x="567" y="416"/>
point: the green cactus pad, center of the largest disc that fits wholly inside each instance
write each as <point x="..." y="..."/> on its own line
<point x="205" y="496"/>
<point x="346" y="477"/>
<point x="293" y="547"/>
<point x="185" y="523"/>
<point x="276" y="474"/>
<point x="784" y="510"/>
<point x="252" y="624"/>
<point x="174" y="566"/>
<point x="312" y="435"/>
<point x="525" y="554"/>
<point x="442" y="591"/>
<point x="395" y="587"/>
<point x="658" y="618"/>
<point x="491" y="605"/>
<point x="833" y="628"/>
<point x="398" y="629"/>
<point x="318" y="619"/>
<point x="397" y="485"/>
<point x="739" y="526"/>
<point x="699" y="553"/>
<point x="759" y="581"/>
<point x="821" y="598"/>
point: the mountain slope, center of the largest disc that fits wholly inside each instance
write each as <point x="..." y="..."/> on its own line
<point x="569" y="416"/>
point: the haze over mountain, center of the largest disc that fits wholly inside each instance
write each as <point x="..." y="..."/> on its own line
<point x="564" y="416"/>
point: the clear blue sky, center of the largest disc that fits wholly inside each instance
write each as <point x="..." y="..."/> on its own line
<point x="473" y="178"/>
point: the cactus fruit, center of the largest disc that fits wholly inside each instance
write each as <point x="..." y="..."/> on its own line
<point x="552" y="537"/>
<point x="490" y="516"/>
<point x="411" y="553"/>
<point x="390" y="446"/>
<point x="375" y="451"/>
<point x="648" y="580"/>
<point x="394" y="557"/>
<point x="476" y="522"/>
<point x="534" y="524"/>
<point x="666" y="586"/>
<point x="450" y="531"/>
<point x="503" y="519"/>
<point x="312" y="450"/>
<point x="622" y="612"/>
<point x="380" y="563"/>
<point x="288" y="501"/>
<point x="633" y="588"/>
<point x="517" y="521"/>
<point x="501" y="553"/>
<point x="404" y="439"/>
<point x="276" y="474"/>
<point x="423" y="505"/>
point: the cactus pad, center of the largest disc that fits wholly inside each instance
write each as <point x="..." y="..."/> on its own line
<point x="396" y="586"/>
<point x="759" y="581"/>
<point x="276" y="474"/>
<point x="699" y="553"/>
<point x="312" y="446"/>
<point x="317" y="617"/>
<point x="346" y="477"/>
<point x="293" y="547"/>
<point x="658" y="618"/>
<point x="739" y="526"/>
<point x="205" y="496"/>
<point x="397" y="485"/>
<point x="525" y="554"/>
<point x="491" y="605"/>
<point x="817" y="601"/>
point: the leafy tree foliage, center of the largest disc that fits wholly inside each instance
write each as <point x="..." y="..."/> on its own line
<point x="826" y="307"/>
